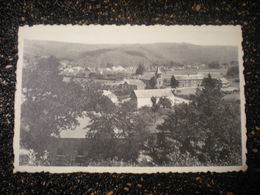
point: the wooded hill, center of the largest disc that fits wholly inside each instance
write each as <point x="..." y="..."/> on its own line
<point x="101" y="55"/>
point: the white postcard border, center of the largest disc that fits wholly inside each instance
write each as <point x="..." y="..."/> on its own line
<point x="63" y="169"/>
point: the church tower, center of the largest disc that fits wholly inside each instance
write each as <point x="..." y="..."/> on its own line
<point x="159" y="79"/>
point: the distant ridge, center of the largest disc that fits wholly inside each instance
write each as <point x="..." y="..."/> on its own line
<point x="131" y="54"/>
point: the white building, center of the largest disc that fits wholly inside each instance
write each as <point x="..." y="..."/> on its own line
<point x="138" y="83"/>
<point x="225" y="83"/>
<point x="111" y="96"/>
<point x="193" y="80"/>
<point x="143" y="97"/>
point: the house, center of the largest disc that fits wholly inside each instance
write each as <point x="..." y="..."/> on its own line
<point x="143" y="97"/>
<point x="111" y="96"/>
<point x="229" y="90"/>
<point x="135" y="82"/>
<point x="194" y="80"/>
<point x="225" y="83"/>
<point x="115" y="69"/>
<point x="185" y="91"/>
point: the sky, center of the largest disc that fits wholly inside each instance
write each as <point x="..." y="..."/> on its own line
<point x="112" y="34"/>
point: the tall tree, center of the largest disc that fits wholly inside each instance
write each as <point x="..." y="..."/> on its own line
<point x="50" y="105"/>
<point x="155" y="106"/>
<point x="233" y="72"/>
<point x="214" y="65"/>
<point x="152" y="83"/>
<point x="204" y="128"/>
<point x="174" y="82"/>
<point x="114" y="131"/>
<point x="165" y="102"/>
<point x="140" y="69"/>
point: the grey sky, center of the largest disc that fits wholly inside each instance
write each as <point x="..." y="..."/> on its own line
<point x="111" y="34"/>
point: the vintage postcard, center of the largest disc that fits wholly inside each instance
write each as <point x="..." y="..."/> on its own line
<point x="130" y="99"/>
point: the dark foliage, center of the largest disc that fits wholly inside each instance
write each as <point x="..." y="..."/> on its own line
<point x="17" y="13"/>
<point x="140" y="69"/>
<point x="50" y="104"/>
<point x="233" y="72"/>
<point x="174" y="82"/>
<point x="208" y="129"/>
<point x="214" y="65"/>
<point x="152" y="83"/>
<point x="116" y="132"/>
<point x="165" y="102"/>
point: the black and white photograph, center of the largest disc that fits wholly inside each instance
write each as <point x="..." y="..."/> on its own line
<point x="138" y="99"/>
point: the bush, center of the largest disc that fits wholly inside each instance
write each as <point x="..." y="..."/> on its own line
<point x="140" y="69"/>
<point x="214" y="65"/>
<point x="233" y="72"/>
<point x="174" y="82"/>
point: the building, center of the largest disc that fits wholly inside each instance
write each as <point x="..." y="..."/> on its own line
<point x="194" y="80"/>
<point x="135" y="82"/>
<point x="158" y="77"/>
<point x="143" y="97"/>
<point x="225" y="83"/>
<point x="111" y="96"/>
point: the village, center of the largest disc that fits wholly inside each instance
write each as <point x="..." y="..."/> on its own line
<point x="124" y="84"/>
<point x="149" y="92"/>
<point x="130" y="100"/>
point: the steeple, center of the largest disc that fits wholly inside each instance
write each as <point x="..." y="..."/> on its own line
<point x="158" y="72"/>
<point x="159" y="79"/>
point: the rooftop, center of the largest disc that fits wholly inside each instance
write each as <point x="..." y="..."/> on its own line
<point x="140" y="84"/>
<point x="158" y="71"/>
<point x="189" y="77"/>
<point x="147" y="93"/>
<point x="224" y="81"/>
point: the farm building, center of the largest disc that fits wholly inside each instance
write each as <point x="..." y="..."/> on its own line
<point x="189" y="80"/>
<point x="135" y="82"/>
<point x="225" y="83"/>
<point x="111" y="96"/>
<point x="143" y="97"/>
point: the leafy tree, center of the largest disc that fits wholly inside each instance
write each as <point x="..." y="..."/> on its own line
<point x="81" y="74"/>
<point x="152" y="83"/>
<point x="214" y="65"/>
<point x="129" y="106"/>
<point x="174" y="82"/>
<point x="155" y="106"/>
<point x="154" y="100"/>
<point x="204" y="127"/>
<point x="101" y="130"/>
<point x="234" y="63"/>
<point x="165" y="102"/>
<point x="50" y="105"/>
<point x="107" y="129"/>
<point x="159" y="148"/>
<point x="233" y="72"/>
<point x="140" y="69"/>
<point x="92" y="75"/>
<point x="225" y="65"/>
<point x="210" y="84"/>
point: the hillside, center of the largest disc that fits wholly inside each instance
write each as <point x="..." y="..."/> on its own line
<point x="131" y="54"/>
